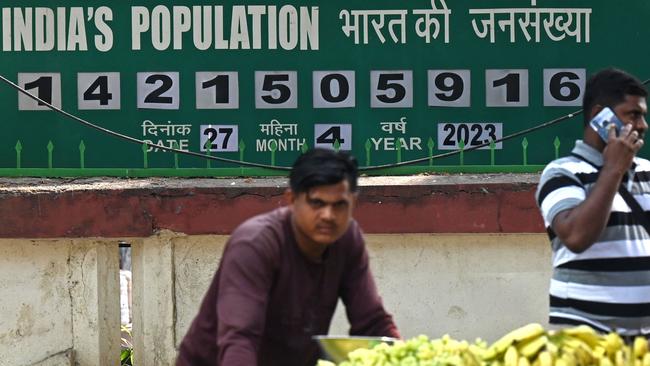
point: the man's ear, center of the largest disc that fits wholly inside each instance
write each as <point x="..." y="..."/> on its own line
<point x="289" y="197"/>
<point x="595" y="110"/>
<point x="355" y="199"/>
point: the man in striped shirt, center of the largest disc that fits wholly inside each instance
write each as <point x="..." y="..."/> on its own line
<point x="601" y="252"/>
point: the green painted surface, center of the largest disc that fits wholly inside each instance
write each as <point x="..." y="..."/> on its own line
<point x="616" y="36"/>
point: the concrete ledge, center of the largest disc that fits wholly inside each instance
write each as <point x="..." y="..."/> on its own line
<point x="108" y="207"/>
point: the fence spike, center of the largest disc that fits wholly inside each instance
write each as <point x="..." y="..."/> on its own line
<point x="273" y="147"/>
<point x="242" y="148"/>
<point x="368" y="146"/>
<point x="398" y="147"/>
<point x="524" y="146"/>
<point x="19" y="149"/>
<point x="176" y="147"/>
<point x="430" y="145"/>
<point x="556" y="144"/>
<point x="493" y="147"/>
<point x="145" y="156"/>
<point x="50" y="149"/>
<point x="82" y="155"/>
<point x="208" y="151"/>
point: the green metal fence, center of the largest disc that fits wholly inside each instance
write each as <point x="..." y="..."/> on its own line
<point x="216" y="169"/>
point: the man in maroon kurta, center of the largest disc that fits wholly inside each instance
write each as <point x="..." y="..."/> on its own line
<point x="282" y="273"/>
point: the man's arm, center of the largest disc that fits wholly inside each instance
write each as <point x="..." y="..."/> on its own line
<point x="363" y="306"/>
<point x="246" y="277"/>
<point x="580" y="227"/>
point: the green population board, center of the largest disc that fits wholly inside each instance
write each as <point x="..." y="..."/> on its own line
<point x="387" y="80"/>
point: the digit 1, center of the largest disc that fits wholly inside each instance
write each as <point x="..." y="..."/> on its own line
<point x="222" y="92"/>
<point x="44" y="86"/>
<point x="511" y="81"/>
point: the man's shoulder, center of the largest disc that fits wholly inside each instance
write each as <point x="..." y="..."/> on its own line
<point x="566" y="166"/>
<point x="642" y="164"/>
<point x="352" y="239"/>
<point x="265" y="228"/>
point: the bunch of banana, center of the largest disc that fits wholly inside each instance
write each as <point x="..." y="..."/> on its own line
<point x="531" y="345"/>
<point x="518" y="347"/>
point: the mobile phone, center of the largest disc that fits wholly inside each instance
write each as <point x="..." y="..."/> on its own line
<point x="602" y="120"/>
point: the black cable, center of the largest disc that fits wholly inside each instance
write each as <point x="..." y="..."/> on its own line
<point x="283" y="168"/>
<point x="133" y="139"/>
<point x="455" y="152"/>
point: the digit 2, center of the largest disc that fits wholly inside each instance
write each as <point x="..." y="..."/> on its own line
<point x="450" y="129"/>
<point x="155" y="96"/>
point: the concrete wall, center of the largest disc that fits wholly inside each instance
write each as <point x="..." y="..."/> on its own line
<point x="58" y="296"/>
<point x="463" y="257"/>
<point x="464" y="285"/>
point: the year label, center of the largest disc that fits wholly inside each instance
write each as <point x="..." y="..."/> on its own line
<point x="472" y="134"/>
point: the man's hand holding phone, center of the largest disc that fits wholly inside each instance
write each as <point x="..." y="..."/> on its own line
<point x="622" y="147"/>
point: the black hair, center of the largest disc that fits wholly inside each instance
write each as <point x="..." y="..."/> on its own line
<point x="609" y="88"/>
<point x="318" y="167"/>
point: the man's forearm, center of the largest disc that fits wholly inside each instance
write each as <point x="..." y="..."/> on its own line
<point x="581" y="226"/>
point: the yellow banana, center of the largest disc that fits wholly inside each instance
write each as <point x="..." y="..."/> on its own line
<point x="532" y="346"/>
<point x="646" y="359"/>
<point x="511" y="357"/>
<point x="545" y="359"/>
<point x="613" y="343"/>
<point x="552" y="348"/>
<point x="517" y="335"/>
<point x="605" y="361"/>
<point x="575" y="343"/>
<point x="583" y="332"/>
<point x="560" y="362"/>
<point x="619" y="358"/>
<point x="640" y="347"/>
<point x="600" y="351"/>
<point x="569" y="358"/>
<point x="523" y="361"/>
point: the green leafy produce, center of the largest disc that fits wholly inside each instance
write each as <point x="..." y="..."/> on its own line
<point x="418" y="351"/>
<point x="530" y="345"/>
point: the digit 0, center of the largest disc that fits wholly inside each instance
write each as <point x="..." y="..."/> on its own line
<point x="326" y="88"/>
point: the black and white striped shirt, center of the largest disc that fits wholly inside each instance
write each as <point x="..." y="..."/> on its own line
<point x="608" y="285"/>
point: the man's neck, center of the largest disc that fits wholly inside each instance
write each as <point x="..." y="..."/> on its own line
<point x="311" y="250"/>
<point x="592" y="139"/>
